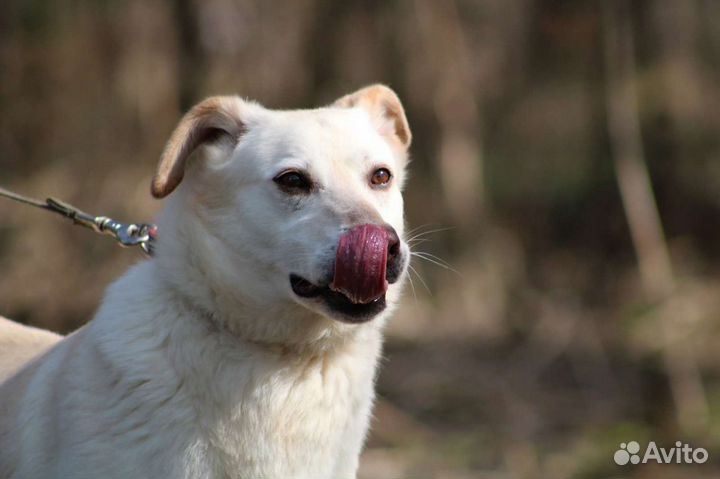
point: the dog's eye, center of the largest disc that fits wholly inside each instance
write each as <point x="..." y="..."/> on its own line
<point x="381" y="177"/>
<point x="293" y="182"/>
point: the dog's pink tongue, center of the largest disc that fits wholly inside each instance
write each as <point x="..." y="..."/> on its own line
<point x="361" y="263"/>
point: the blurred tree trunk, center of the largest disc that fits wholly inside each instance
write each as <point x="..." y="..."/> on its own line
<point x="642" y="214"/>
<point x="456" y="104"/>
<point x="190" y="58"/>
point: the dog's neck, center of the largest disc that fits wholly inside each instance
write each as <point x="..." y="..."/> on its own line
<point x="320" y="336"/>
<point x="183" y="322"/>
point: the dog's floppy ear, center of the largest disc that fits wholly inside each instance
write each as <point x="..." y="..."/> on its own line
<point x="209" y="120"/>
<point x="385" y="111"/>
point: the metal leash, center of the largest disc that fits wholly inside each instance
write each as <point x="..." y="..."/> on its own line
<point x="126" y="234"/>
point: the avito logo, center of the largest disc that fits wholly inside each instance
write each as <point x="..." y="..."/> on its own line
<point x="680" y="454"/>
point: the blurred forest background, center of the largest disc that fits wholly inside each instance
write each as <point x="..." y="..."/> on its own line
<point x="565" y="165"/>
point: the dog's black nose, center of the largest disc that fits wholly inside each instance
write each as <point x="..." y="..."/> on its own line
<point x="394" y="255"/>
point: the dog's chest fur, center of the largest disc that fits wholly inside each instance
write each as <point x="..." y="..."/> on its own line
<point x="267" y="411"/>
<point x="303" y="419"/>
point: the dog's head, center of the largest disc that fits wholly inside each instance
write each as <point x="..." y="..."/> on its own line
<point x="287" y="214"/>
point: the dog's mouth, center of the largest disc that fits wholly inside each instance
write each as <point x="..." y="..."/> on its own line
<point x="338" y="302"/>
<point x="360" y="278"/>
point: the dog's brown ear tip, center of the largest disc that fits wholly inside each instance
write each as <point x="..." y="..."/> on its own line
<point x="159" y="188"/>
<point x="156" y="192"/>
<point x="381" y="88"/>
<point x="382" y="102"/>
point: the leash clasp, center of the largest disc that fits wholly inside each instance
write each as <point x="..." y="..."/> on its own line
<point x="126" y="234"/>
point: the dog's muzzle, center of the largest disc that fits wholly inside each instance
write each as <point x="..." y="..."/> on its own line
<point x="368" y="258"/>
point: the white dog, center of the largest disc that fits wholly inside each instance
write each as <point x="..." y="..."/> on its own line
<point x="248" y="346"/>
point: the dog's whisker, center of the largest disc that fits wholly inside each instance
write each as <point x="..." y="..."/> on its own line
<point x="422" y="234"/>
<point x="416" y="242"/>
<point x="435" y="260"/>
<point x="435" y="257"/>
<point x="430" y="227"/>
<point x="418" y="228"/>
<point x="412" y="286"/>
<point x="425" y="233"/>
<point x="412" y="269"/>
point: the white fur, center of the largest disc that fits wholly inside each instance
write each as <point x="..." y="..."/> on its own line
<point x="201" y="362"/>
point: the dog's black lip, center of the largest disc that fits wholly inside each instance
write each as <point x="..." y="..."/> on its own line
<point x="303" y="287"/>
<point x="336" y="302"/>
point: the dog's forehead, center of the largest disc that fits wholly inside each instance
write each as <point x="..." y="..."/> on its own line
<point x="328" y="134"/>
